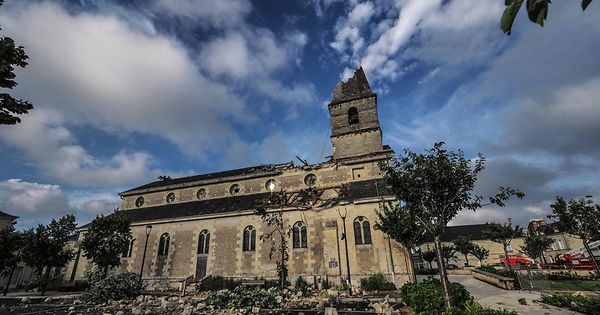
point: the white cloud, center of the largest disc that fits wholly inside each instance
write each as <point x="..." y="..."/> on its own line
<point x="222" y="13"/>
<point x="97" y="70"/>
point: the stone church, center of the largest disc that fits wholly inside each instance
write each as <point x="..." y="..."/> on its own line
<point x="206" y="224"/>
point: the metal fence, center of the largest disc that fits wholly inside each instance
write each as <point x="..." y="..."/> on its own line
<point x="533" y="280"/>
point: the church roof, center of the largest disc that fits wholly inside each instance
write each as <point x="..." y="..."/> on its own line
<point x="210" y="176"/>
<point x="355" y="88"/>
<point x="474" y="231"/>
<point x="6" y="215"/>
<point x="353" y="191"/>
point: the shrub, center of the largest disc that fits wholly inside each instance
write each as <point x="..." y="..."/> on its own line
<point x="245" y="298"/>
<point x="578" y="303"/>
<point x="216" y="283"/>
<point x="376" y="282"/>
<point x="325" y="284"/>
<point x="114" y="287"/>
<point x="428" y="297"/>
<point x="302" y="285"/>
<point x="566" y="275"/>
<point x="501" y="272"/>
<point x="427" y="271"/>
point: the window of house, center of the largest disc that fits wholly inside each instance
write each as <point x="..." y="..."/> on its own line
<point x="171" y="197"/>
<point x="139" y="201"/>
<point x="203" y="242"/>
<point x="234" y="189"/>
<point x="299" y="235"/>
<point x="249" y="239"/>
<point x="353" y="116"/>
<point x="310" y="180"/>
<point x="128" y="249"/>
<point x="362" y="231"/>
<point x="163" y="245"/>
<point x="201" y="194"/>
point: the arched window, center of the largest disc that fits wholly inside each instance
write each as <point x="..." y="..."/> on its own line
<point x="171" y="197"/>
<point x="353" y="116"/>
<point x="203" y="242"/>
<point x="362" y="231"/>
<point x="127" y="249"/>
<point x="249" y="239"/>
<point x="163" y="245"/>
<point x="299" y="235"/>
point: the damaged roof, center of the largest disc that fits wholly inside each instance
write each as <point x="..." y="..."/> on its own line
<point x="6" y="215"/>
<point x="352" y="191"/>
<point x="230" y="173"/>
<point x="356" y="87"/>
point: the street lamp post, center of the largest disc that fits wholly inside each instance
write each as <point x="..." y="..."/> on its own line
<point x="345" y="238"/>
<point x="148" y="230"/>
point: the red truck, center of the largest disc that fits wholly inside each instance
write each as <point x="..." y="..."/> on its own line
<point x="516" y="261"/>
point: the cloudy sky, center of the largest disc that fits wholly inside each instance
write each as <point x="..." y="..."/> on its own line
<point x="126" y="90"/>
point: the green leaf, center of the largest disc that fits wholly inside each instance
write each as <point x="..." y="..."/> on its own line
<point x="537" y="10"/>
<point x="509" y="15"/>
<point x="585" y="3"/>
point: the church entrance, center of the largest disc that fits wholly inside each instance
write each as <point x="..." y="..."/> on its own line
<point x="201" y="262"/>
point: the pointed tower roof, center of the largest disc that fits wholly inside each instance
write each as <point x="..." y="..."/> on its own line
<point x="356" y="87"/>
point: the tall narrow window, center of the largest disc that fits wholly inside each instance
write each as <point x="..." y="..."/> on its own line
<point x="362" y="231"/>
<point x="353" y="116"/>
<point x="299" y="235"/>
<point x="163" y="245"/>
<point x="128" y="249"/>
<point x="203" y="242"/>
<point x="249" y="239"/>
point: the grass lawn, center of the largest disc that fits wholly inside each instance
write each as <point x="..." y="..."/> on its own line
<point x="567" y="285"/>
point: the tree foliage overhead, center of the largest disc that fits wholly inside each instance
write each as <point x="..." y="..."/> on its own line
<point x="44" y="247"/>
<point x="106" y="238"/>
<point x="11" y="56"/>
<point x="536" y="245"/>
<point x="537" y="11"/>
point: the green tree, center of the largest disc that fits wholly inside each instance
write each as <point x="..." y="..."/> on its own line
<point x="537" y="11"/>
<point x="11" y="243"/>
<point x="464" y="246"/>
<point x="480" y="253"/>
<point x="105" y="239"/>
<point x="438" y="185"/>
<point x="503" y="234"/>
<point x="536" y="245"/>
<point x="429" y="256"/>
<point x="44" y="247"/>
<point x="580" y="218"/>
<point x="448" y="253"/>
<point x="401" y="224"/>
<point x="11" y="55"/>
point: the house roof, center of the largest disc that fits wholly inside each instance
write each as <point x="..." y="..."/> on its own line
<point x="355" y="88"/>
<point x="474" y="231"/>
<point x="230" y="173"/>
<point x="6" y="215"/>
<point x="350" y="192"/>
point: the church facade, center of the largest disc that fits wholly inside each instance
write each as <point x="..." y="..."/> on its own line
<point x="206" y="224"/>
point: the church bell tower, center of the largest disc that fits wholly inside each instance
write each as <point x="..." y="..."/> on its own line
<point x="355" y="128"/>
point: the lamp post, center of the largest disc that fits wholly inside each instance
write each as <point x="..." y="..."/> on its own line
<point x="345" y="238"/>
<point x="148" y="230"/>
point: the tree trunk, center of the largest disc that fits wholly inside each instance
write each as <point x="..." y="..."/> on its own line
<point x="412" y="266"/>
<point x="45" y="280"/>
<point x="12" y="271"/>
<point x="430" y="265"/>
<point x="466" y="259"/>
<point x="506" y="259"/>
<point x="442" y="270"/>
<point x="592" y="257"/>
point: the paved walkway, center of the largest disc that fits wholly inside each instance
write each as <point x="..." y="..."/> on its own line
<point x="489" y="295"/>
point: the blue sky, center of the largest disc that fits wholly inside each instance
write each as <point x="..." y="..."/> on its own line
<point x="125" y="91"/>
